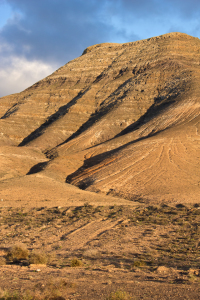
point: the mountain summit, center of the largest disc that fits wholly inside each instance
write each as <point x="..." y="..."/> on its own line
<point x="122" y="119"/>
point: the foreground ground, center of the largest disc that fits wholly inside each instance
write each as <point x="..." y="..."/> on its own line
<point x="100" y="252"/>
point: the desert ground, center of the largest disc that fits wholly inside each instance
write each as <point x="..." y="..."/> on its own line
<point x="105" y="251"/>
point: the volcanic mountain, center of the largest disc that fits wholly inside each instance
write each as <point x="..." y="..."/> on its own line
<point x="122" y="119"/>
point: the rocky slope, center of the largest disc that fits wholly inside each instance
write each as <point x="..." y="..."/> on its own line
<point x="122" y="119"/>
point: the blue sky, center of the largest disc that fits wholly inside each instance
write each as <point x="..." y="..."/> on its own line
<point x="39" y="36"/>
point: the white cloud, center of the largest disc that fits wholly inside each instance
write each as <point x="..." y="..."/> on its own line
<point x="17" y="73"/>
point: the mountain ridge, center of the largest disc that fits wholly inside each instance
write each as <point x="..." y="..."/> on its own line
<point x="116" y="109"/>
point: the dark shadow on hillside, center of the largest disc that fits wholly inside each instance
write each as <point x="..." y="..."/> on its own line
<point x="10" y="111"/>
<point x="98" y="114"/>
<point x="37" y="168"/>
<point x="159" y="105"/>
<point x="154" y="111"/>
<point x="88" y="163"/>
<point x="60" y="113"/>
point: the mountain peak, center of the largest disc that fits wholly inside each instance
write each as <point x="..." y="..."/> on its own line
<point x="122" y="119"/>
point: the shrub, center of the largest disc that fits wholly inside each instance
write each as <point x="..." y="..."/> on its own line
<point x="76" y="263"/>
<point x="2" y="261"/>
<point x="90" y="253"/>
<point x="139" y="263"/>
<point x="17" y="253"/>
<point x="7" y="295"/>
<point x="38" y="258"/>
<point x="119" y="295"/>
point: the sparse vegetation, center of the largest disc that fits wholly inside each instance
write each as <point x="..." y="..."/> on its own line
<point x="56" y="290"/>
<point x="181" y="249"/>
<point x="91" y="253"/>
<point x="76" y="263"/>
<point x="119" y="295"/>
<point x="17" y="253"/>
<point x="176" y="245"/>
<point x="38" y="258"/>
<point x="139" y="264"/>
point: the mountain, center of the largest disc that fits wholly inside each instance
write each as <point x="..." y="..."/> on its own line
<point x="122" y="120"/>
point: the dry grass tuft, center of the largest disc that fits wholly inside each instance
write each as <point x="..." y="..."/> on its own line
<point x="17" y="253"/>
<point x="38" y="258"/>
<point x="76" y="263"/>
<point x="2" y="261"/>
<point x="119" y="295"/>
<point x="139" y="264"/>
<point x="90" y="253"/>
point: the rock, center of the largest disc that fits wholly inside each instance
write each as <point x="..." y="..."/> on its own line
<point x="163" y="270"/>
<point x="37" y="267"/>
<point x="195" y="272"/>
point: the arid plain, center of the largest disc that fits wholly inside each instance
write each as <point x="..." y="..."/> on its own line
<point x="100" y="176"/>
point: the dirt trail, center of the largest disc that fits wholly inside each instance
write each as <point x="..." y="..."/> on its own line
<point x="86" y="233"/>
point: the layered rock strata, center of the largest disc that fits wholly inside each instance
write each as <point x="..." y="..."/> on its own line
<point x="122" y="119"/>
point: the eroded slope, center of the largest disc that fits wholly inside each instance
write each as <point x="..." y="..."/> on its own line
<point x="121" y="119"/>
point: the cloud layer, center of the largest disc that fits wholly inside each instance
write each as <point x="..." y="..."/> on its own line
<point x="43" y="35"/>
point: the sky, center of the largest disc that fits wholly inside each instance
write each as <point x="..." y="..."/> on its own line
<point x="39" y="36"/>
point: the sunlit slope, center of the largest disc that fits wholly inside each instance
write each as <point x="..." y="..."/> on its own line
<point x="164" y="166"/>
